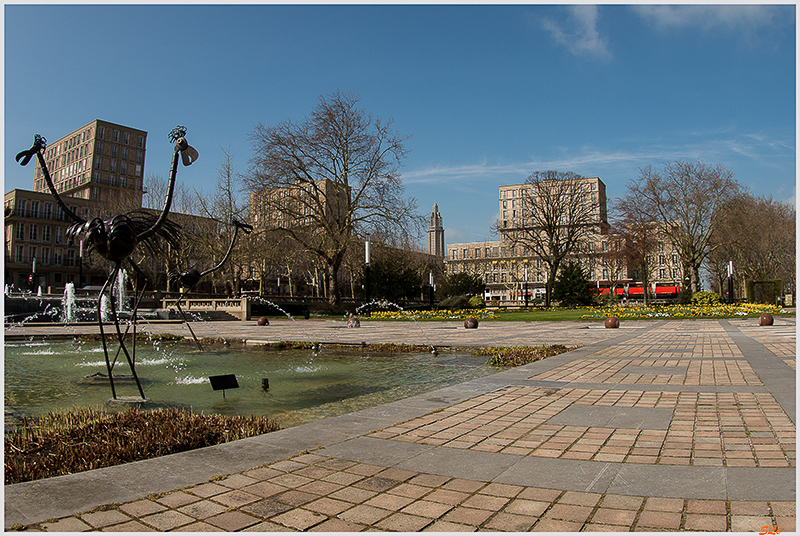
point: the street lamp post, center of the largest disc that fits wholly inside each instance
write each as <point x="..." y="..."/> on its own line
<point x="80" y="265"/>
<point x="433" y="287"/>
<point x="366" y="270"/>
<point x="526" y="286"/>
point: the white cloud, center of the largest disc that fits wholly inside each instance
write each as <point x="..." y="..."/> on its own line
<point x="579" y="33"/>
<point x="730" y="17"/>
<point x="720" y="145"/>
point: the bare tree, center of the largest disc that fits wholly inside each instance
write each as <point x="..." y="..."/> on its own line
<point x="758" y="235"/>
<point x="329" y="178"/>
<point x="640" y="237"/>
<point x="557" y="220"/>
<point x="613" y="259"/>
<point x="223" y="206"/>
<point x="686" y="197"/>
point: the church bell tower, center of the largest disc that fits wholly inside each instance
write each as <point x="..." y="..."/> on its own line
<point x="436" y="233"/>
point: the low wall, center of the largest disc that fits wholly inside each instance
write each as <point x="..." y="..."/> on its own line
<point x="238" y="307"/>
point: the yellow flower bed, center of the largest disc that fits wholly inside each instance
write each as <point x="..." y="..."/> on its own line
<point x="682" y="311"/>
<point x="461" y="314"/>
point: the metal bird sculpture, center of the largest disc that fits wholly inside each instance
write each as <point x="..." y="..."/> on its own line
<point x="191" y="277"/>
<point x="116" y="238"/>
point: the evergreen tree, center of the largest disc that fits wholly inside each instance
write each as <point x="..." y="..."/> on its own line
<point x="572" y="288"/>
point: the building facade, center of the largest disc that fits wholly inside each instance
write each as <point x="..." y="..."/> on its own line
<point x="512" y="271"/>
<point x="37" y="251"/>
<point x="101" y="161"/>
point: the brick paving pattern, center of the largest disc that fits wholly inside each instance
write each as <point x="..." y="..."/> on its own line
<point x="317" y="493"/>
<point x="679" y="394"/>
<point x="715" y="429"/>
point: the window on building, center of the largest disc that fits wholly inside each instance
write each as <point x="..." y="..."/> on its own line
<point x="675" y="273"/>
<point x="114" y="151"/>
<point x="662" y="273"/>
<point x="20" y="254"/>
<point x="113" y="168"/>
<point x="20" y="231"/>
<point x="115" y="136"/>
<point x="48" y="211"/>
<point x="674" y="259"/>
<point x="32" y="254"/>
<point x="35" y="209"/>
<point x="70" y="257"/>
<point x="487" y="252"/>
<point x="34" y="232"/>
<point x="141" y="142"/>
<point x="101" y="132"/>
<point x="59" y="237"/>
<point x="125" y="153"/>
<point x="662" y="259"/>
<point x="494" y="251"/>
<point x="45" y="233"/>
<point x="123" y="168"/>
<point x="464" y="253"/>
<point x="477" y="252"/>
<point x="454" y="254"/>
<point x="22" y="205"/>
<point x="58" y="257"/>
<point x="45" y="257"/>
<point x="126" y="137"/>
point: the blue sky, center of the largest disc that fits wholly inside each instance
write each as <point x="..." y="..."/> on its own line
<point x="489" y="94"/>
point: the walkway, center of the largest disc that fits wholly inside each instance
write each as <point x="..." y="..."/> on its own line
<point x="680" y="425"/>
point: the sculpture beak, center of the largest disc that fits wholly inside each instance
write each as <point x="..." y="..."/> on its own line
<point x="189" y="155"/>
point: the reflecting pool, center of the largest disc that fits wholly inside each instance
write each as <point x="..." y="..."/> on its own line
<point x="303" y="387"/>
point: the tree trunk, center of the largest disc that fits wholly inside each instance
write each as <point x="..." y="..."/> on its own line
<point x="695" y="279"/>
<point x="332" y="275"/>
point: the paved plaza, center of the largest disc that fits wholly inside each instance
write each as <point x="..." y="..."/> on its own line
<point x="655" y="426"/>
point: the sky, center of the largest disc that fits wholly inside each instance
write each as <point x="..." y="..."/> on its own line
<point x="488" y="94"/>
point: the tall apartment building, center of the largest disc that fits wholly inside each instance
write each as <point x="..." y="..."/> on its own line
<point x="508" y="268"/>
<point x="100" y="161"/>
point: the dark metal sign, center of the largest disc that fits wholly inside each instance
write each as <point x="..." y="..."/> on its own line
<point x="223" y="381"/>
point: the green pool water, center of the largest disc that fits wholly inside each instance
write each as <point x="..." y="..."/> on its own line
<point x="303" y="387"/>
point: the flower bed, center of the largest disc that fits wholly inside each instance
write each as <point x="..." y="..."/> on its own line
<point x="441" y="314"/>
<point x="682" y="311"/>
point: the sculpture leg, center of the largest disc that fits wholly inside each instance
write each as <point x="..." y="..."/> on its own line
<point x="185" y="319"/>
<point x="131" y="364"/>
<point x="109" y="366"/>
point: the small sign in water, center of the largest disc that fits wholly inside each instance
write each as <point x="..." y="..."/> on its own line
<point x="223" y="381"/>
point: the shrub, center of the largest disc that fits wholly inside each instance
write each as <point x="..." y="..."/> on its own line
<point x="684" y="297"/>
<point x="80" y="440"/>
<point x="476" y="302"/>
<point x="705" y="298"/>
<point x="521" y="355"/>
<point x="454" y="303"/>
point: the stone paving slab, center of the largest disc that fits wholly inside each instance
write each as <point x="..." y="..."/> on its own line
<point x="584" y="441"/>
